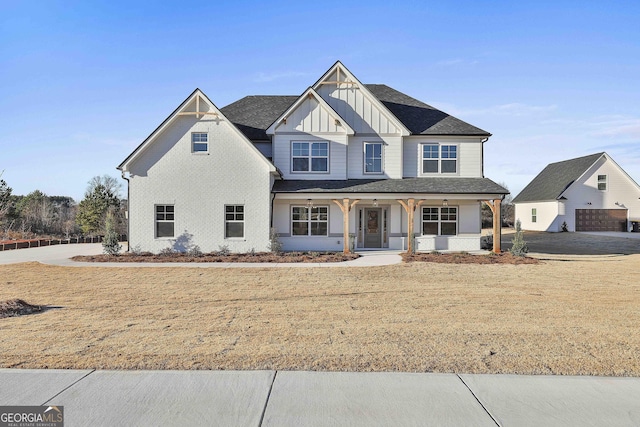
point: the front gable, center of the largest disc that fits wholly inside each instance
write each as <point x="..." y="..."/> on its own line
<point x="196" y="113"/>
<point x="356" y="104"/>
<point x="312" y="115"/>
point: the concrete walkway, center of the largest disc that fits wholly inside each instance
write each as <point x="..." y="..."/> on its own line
<point x="61" y="254"/>
<point x="270" y="398"/>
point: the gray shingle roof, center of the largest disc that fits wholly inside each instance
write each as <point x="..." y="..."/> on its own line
<point x="254" y="114"/>
<point x="407" y="185"/>
<point x="555" y="178"/>
<point x="421" y="118"/>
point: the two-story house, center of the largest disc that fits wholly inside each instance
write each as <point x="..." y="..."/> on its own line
<point x="343" y="163"/>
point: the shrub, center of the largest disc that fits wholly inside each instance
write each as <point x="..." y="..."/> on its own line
<point x="110" y="243"/>
<point x="564" y="226"/>
<point x="275" y="245"/>
<point x="194" y="251"/>
<point x="252" y="252"/>
<point x="136" y="250"/>
<point x="519" y="246"/>
<point x="167" y="252"/>
<point x="223" y="250"/>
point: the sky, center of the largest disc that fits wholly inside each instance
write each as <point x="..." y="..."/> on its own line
<point x="83" y="83"/>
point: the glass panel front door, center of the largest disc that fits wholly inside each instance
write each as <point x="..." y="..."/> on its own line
<point x="372" y="228"/>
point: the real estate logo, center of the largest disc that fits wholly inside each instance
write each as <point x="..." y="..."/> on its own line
<point x="31" y="416"/>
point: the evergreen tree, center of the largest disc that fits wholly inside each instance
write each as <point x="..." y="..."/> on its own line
<point x="110" y="244"/>
<point x="519" y="246"/>
<point x="102" y="193"/>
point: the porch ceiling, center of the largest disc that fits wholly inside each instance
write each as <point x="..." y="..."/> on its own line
<point x="408" y="185"/>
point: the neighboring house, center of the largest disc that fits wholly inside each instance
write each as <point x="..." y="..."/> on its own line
<point x="342" y="162"/>
<point x="590" y="193"/>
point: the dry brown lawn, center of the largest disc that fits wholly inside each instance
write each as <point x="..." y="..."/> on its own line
<point x="578" y="317"/>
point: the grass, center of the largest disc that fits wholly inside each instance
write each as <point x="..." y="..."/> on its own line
<point x="568" y="318"/>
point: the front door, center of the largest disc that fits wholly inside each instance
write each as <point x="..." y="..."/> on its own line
<point x="373" y="228"/>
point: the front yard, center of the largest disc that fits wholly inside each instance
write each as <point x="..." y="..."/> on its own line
<point x="578" y="317"/>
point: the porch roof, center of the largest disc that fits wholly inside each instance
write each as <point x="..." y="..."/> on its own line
<point x="406" y="185"/>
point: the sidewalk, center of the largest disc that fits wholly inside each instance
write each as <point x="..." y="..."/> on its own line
<point x="270" y="398"/>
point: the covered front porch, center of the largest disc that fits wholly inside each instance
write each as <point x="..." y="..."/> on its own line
<point x="423" y="214"/>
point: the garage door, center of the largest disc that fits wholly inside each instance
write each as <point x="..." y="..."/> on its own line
<point x="601" y="220"/>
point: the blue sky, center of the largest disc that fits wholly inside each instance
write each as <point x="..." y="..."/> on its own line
<point x="83" y="83"/>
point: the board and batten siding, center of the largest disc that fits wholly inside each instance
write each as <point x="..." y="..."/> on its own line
<point x="357" y="108"/>
<point x="469" y="155"/>
<point x="199" y="185"/>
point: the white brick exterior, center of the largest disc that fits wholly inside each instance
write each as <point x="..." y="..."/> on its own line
<point x="199" y="185"/>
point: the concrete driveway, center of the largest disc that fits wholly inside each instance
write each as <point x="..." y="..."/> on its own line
<point x="604" y="243"/>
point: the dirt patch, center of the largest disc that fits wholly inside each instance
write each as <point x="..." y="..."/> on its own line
<point x="465" y="258"/>
<point x="564" y="318"/>
<point x="287" y="257"/>
<point x="17" y="307"/>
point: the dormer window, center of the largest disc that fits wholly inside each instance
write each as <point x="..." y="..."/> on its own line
<point x="439" y="158"/>
<point x="199" y="142"/>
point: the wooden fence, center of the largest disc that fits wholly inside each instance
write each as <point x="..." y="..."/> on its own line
<point x="8" y="245"/>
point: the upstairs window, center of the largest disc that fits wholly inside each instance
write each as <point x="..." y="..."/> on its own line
<point x="372" y="157"/>
<point x="534" y="215"/>
<point x="439" y="158"/>
<point x="165" y="220"/>
<point x="310" y="157"/>
<point x="602" y="182"/>
<point x="199" y="142"/>
<point x="233" y="221"/>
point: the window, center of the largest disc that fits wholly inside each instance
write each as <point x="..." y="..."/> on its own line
<point x="534" y="215"/>
<point x="233" y="221"/>
<point x="309" y="221"/>
<point x="602" y="182"/>
<point x="372" y="157"/>
<point x="310" y="157"/>
<point x="440" y="221"/>
<point x="439" y="158"/>
<point x="165" y="220"/>
<point x="199" y="142"/>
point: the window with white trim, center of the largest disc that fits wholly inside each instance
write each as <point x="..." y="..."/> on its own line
<point x="165" y="221"/>
<point x="199" y="142"/>
<point x="534" y="215"/>
<point x="372" y="157"/>
<point x="440" y="221"/>
<point x="439" y="158"/>
<point x="310" y="156"/>
<point x="309" y="221"/>
<point x="602" y="182"/>
<point x="233" y="221"/>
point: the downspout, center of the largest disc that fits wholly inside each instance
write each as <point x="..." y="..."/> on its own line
<point x="128" y="211"/>
<point x="273" y="197"/>
<point x="482" y="154"/>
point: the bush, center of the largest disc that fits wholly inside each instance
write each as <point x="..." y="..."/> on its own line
<point x="194" y="251"/>
<point x="564" y="227"/>
<point x="519" y="246"/>
<point x="110" y="243"/>
<point x="167" y="252"/>
<point x="275" y="245"/>
<point x="223" y="250"/>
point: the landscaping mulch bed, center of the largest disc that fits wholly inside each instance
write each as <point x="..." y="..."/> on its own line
<point x="289" y="257"/>
<point x="465" y="258"/>
<point x="17" y="307"/>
